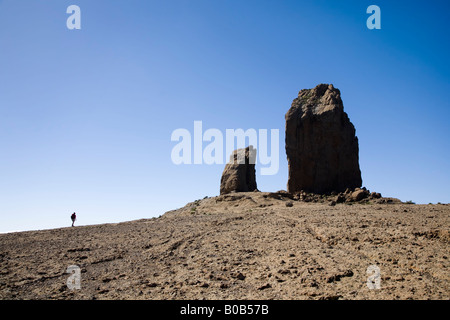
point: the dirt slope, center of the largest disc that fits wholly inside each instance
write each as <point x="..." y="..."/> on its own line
<point x="241" y="246"/>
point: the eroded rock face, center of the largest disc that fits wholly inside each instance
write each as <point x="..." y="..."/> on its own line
<point x="239" y="174"/>
<point x="321" y="146"/>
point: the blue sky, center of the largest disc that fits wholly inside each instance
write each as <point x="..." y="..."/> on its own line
<point x="86" y="115"/>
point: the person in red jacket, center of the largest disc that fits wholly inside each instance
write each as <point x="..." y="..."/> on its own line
<point x="73" y="217"/>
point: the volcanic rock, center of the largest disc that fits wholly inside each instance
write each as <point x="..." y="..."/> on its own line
<point x="358" y="195"/>
<point x="239" y="174"/>
<point x="321" y="146"/>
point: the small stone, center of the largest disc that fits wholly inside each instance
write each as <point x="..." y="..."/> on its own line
<point x="266" y="286"/>
<point x="375" y="195"/>
<point x="340" y="198"/>
<point x="240" y="276"/>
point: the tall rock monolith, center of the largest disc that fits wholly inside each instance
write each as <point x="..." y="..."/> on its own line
<point x="321" y="145"/>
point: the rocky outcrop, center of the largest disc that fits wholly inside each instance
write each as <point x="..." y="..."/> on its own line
<point x="239" y="174"/>
<point x="321" y="146"/>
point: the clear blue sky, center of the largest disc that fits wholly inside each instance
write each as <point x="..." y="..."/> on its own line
<point x="86" y="115"/>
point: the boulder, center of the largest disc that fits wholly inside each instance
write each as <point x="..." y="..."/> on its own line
<point x="358" y="195"/>
<point x="340" y="198"/>
<point x="375" y="195"/>
<point x="239" y="174"/>
<point x="321" y="145"/>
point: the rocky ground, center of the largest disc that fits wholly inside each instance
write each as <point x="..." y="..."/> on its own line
<point x="251" y="245"/>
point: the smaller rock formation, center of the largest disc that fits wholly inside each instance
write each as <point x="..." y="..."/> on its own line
<point x="239" y="174"/>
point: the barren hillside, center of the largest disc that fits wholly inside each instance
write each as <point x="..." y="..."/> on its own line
<point x="251" y="245"/>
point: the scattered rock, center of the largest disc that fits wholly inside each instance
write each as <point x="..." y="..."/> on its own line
<point x="332" y="297"/>
<point x="79" y="250"/>
<point x="266" y="286"/>
<point x="388" y="201"/>
<point x="279" y="195"/>
<point x="240" y="276"/>
<point x="358" y="195"/>
<point x="340" y="198"/>
<point x="338" y="276"/>
<point x="284" y="271"/>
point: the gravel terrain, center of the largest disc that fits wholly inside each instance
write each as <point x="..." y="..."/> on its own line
<point x="251" y="245"/>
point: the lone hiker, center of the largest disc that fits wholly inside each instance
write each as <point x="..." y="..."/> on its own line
<point x="73" y="217"/>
